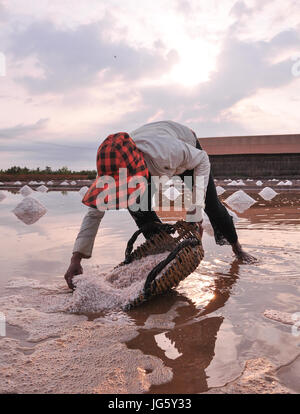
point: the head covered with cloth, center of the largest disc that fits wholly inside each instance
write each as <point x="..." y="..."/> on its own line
<point x="122" y="175"/>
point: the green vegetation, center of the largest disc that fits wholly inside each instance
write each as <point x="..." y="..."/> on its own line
<point x="18" y="171"/>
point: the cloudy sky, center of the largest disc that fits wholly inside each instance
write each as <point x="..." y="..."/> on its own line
<point x="78" y="70"/>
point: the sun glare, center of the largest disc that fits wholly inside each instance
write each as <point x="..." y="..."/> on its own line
<point x="197" y="60"/>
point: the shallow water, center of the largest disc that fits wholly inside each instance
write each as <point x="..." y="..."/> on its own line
<point x="206" y="329"/>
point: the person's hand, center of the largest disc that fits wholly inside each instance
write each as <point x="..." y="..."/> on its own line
<point x="74" y="269"/>
<point x="242" y="255"/>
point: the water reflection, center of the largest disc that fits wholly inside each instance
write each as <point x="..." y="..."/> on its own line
<point x="189" y="347"/>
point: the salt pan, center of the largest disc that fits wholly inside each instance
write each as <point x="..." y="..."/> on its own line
<point x="240" y="201"/>
<point x="42" y="189"/>
<point x="29" y="210"/>
<point x="267" y="193"/>
<point x="25" y="191"/>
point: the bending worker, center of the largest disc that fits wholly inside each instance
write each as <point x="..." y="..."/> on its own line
<point x="157" y="149"/>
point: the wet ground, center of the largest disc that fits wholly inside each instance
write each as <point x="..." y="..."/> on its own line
<point x="207" y="329"/>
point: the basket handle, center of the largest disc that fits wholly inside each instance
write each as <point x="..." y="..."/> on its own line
<point x="149" y="226"/>
<point x="192" y="242"/>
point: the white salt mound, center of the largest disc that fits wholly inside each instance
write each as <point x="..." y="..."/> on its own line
<point x="64" y="183"/>
<point x="1" y="183"/>
<point x="259" y="183"/>
<point x="220" y="190"/>
<point x="41" y="183"/>
<point x="240" y="201"/>
<point x="73" y="183"/>
<point x="42" y="189"/>
<point x="33" y="182"/>
<point x="25" y="191"/>
<point x="50" y="183"/>
<point x="29" y="210"/>
<point x="83" y="190"/>
<point x="233" y="183"/>
<point x="2" y="195"/>
<point x="96" y="291"/>
<point x="18" y="183"/>
<point x="172" y="193"/>
<point x="267" y="193"/>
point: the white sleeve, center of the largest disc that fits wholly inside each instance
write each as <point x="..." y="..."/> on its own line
<point x="84" y="242"/>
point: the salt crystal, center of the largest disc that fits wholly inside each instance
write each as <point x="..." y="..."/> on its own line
<point x="25" y="191"/>
<point x="83" y="190"/>
<point x="267" y="193"/>
<point x="42" y="189"/>
<point x="259" y="183"/>
<point x="29" y="210"/>
<point x="220" y="190"/>
<point x="240" y="201"/>
<point x="2" y="195"/>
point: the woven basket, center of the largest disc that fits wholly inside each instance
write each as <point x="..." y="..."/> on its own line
<point x="183" y="241"/>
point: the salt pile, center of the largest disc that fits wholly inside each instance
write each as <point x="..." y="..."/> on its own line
<point x="33" y="182"/>
<point x="73" y="183"/>
<point x="1" y="183"/>
<point x="240" y="201"/>
<point x="29" y="210"/>
<point x="64" y="183"/>
<point x="96" y="291"/>
<point x="2" y="195"/>
<point x="233" y="183"/>
<point x="50" y="183"/>
<point x="172" y="193"/>
<point x="259" y="183"/>
<point x="267" y="193"/>
<point x="18" y="183"/>
<point x="287" y="182"/>
<point x="220" y="190"/>
<point x="249" y="179"/>
<point x="25" y="191"/>
<point x="42" y="189"/>
<point x="83" y="190"/>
